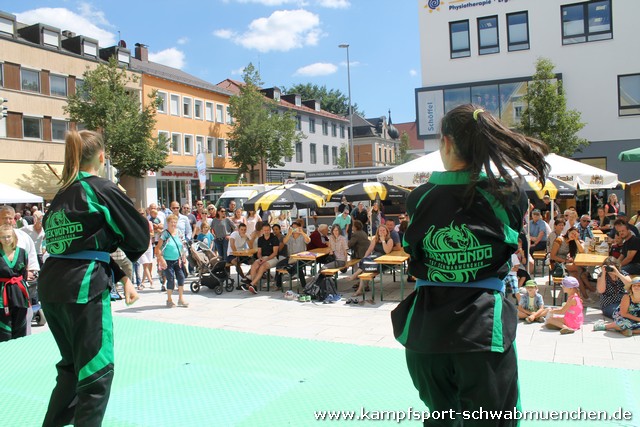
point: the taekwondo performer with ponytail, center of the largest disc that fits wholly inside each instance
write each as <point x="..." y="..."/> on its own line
<point x="457" y="327"/>
<point x="88" y="219"/>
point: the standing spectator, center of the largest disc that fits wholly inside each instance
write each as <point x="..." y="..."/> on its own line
<point x="374" y="217"/>
<point x="183" y="222"/>
<point x="222" y="228"/>
<point x="546" y="209"/>
<point x="344" y="204"/>
<point x="200" y="212"/>
<point x="283" y="221"/>
<point x="186" y="211"/>
<point x="205" y="236"/>
<point x="238" y="218"/>
<point x="251" y="221"/>
<point x="160" y="213"/>
<point x="146" y="260"/>
<point x="612" y="207"/>
<point x="343" y="220"/>
<point x="361" y="214"/>
<point x="232" y="208"/>
<point x="36" y="232"/>
<point x="171" y="257"/>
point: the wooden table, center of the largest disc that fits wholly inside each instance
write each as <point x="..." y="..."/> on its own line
<point x="597" y="232"/>
<point x="589" y="260"/>
<point x="309" y="258"/>
<point x="245" y="252"/>
<point x="393" y="258"/>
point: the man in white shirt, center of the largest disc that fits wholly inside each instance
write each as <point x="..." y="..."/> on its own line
<point x="238" y="240"/>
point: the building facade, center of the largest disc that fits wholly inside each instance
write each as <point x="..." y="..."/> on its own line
<point x="40" y="67"/>
<point x="375" y="142"/>
<point x="485" y="52"/>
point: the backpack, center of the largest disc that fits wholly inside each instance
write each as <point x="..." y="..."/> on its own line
<point x="321" y="287"/>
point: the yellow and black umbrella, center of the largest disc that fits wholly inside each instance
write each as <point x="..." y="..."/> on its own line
<point x="555" y="188"/>
<point x="285" y="197"/>
<point x="369" y="191"/>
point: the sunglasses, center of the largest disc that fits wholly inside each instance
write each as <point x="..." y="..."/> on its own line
<point x="199" y="204"/>
<point x="211" y="209"/>
<point x="175" y="207"/>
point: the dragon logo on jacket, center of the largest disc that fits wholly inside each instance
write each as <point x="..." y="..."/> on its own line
<point x="454" y="254"/>
<point x="60" y="232"/>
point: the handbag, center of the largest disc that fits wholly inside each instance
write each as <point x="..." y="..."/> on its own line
<point x="558" y="270"/>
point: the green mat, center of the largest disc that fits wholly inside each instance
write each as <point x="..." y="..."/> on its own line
<point x="175" y="375"/>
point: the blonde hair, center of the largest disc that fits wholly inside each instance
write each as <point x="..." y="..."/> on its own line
<point x="14" y="240"/>
<point x="80" y="148"/>
<point x="172" y="217"/>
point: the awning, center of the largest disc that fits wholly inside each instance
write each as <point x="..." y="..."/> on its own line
<point x="33" y="178"/>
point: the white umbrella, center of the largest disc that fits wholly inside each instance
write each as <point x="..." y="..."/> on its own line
<point x="415" y="172"/>
<point x="580" y="175"/>
<point x="10" y="194"/>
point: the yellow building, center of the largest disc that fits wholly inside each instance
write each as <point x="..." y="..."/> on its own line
<point x="193" y="116"/>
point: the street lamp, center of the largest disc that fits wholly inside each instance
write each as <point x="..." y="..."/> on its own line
<point x="351" y="156"/>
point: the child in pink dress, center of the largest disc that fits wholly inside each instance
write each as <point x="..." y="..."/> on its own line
<point x="572" y="309"/>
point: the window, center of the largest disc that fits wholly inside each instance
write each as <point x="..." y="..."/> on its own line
<point x="32" y="127"/>
<point x="162" y="102"/>
<point x="221" y="148"/>
<point x="488" y="97"/>
<point x="197" y="109"/>
<point x="59" y="129"/>
<point x="229" y="118"/>
<point x="90" y="48"/>
<point x="325" y="127"/>
<point x="334" y="155"/>
<point x="459" y="39"/>
<point x="385" y="156"/>
<point x="188" y="144"/>
<point x="288" y="159"/>
<point x="488" y="35"/>
<point x="1" y="75"/>
<point x="211" y="144"/>
<point x="80" y="89"/>
<point x="58" y="85"/>
<point x="174" y="105"/>
<point x="586" y="22"/>
<point x="312" y="153"/>
<point x="199" y="144"/>
<point x="312" y="125"/>
<point x="6" y="26"/>
<point x="342" y="131"/>
<point x="208" y="111"/>
<point x="50" y="38"/>
<point x="176" y="142"/>
<point x="299" y="152"/>
<point x="379" y="154"/>
<point x="334" y="130"/>
<point x="517" y="31"/>
<point x="629" y="95"/>
<point x="455" y="97"/>
<point x="325" y="154"/>
<point x="30" y="80"/>
<point x="186" y="106"/>
<point x="298" y="122"/>
<point x="219" y="113"/>
<point x="163" y="136"/>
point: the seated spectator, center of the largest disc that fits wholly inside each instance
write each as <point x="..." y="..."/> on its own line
<point x="557" y="232"/>
<point x="634" y="219"/>
<point x="570" y="317"/>
<point x="531" y="306"/>
<point x="319" y="238"/>
<point x="282" y="247"/>
<point x="391" y="227"/>
<point x="611" y="285"/>
<point x="295" y="241"/>
<point x="267" y="258"/>
<point x="205" y="235"/>
<point x="338" y="245"/>
<point x="584" y="228"/>
<point x="571" y="218"/>
<point x="630" y="254"/>
<point x="359" y="242"/>
<point x="537" y="232"/>
<point x="627" y="316"/>
<point x="603" y="223"/>
<point x="616" y="247"/>
<point x="239" y="240"/>
<point x="511" y="279"/>
<point x="564" y="250"/>
<point x="381" y="244"/>
<point x="622" y="220"/>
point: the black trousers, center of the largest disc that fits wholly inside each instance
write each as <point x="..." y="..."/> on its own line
<point x="14" y="324"/>
<point x="84" y="334"/>
<point x="466" y="382"/>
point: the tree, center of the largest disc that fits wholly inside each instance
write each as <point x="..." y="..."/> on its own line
<point x="261" y="133"/>
<point x="343" y="157"/>
<point x="106" y="103"/>
<point x="546" y="116"/>
<point x="403" y="147"/>
<point x="332" y="100"/>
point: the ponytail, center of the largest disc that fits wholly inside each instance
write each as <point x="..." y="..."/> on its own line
<point x="483" y="142"/>
<point x="80" y="149"/>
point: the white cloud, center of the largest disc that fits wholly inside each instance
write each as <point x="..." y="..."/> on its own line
<point x="413" y="72"/>
<point x="183" y="40"/>
<point x="334" y="4"/>
<point x="94" y="15"/>
<point x="67" y="20"/>
<point x="283" y="30"/>
<point x="351" y="63"/>
<point x="171" y="57"/>
<point x="224" y="33"/>
<point x="317" y="69"/>
<point x="238" y="71"/>
<point x="268" y="2"/>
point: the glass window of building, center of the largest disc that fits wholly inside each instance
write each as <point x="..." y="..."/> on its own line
<point x="312" y="153"/>
<point x="629" y="95"/>
<point x="162" y="102"/>
<point x="518" y="31"/>
<point x="334" y="130"/>
<point x="197" y="109"/>
<point x="219" y="113"/>
<point x="488" y="97"/>
<point x="30" y="80"/>
<point x="186" y="106"/>
<point x="325" y="154"/>
<point x="32" y="127"/>
<point x="58" y="85"/>
<point x="176" y="143"/>
<point x="175" y="105"/>
<point x="221" y="147"/>
<point x="59" y="129"/>
<point x="342" y="131"/>
<point x="312" y="125"/>
<point x="208" y="111"/>
<point x="459" y="39"/>
<point x="512" y="102"/>
<point x="188" y="144"/>
<point x="199" y="144"/>
<point x="325" y="127"/>
<point x="488" y="41"/>
<point x="229" y="117"/>
<point x="298" y="123"/>
<point x="334" y="155"/>
<point x="211" y="144"/>
<point x="586" y="22"/>
<point x="455" y="97"/>
<point x="298" y="152"/>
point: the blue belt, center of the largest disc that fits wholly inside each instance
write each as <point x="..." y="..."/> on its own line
<point x="489" y="283"/>
<point x="86" y="255"/>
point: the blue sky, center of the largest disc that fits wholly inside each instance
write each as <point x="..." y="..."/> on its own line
<point x="291" y="41"/>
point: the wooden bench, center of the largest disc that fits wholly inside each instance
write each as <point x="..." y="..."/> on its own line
<point x="539" y="256"/>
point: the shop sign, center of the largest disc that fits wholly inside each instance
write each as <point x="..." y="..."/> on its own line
<point x="438" y="5"/>
<point x="179" y="174"/>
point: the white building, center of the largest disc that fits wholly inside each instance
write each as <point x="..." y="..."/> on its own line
<point x="484" y="51"/>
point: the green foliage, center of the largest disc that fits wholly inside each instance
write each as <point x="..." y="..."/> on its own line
<point x="343" y="157"/>
<point x="332" y="100"/>
<point x="546" y="116"/>
<point x="261" y="133"/>
<point x="403" y="147"/>
<point x="105" y="103"/>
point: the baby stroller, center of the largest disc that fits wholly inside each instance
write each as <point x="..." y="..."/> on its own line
<point x="38" y="315"/>
<point x="211" y="271"/>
